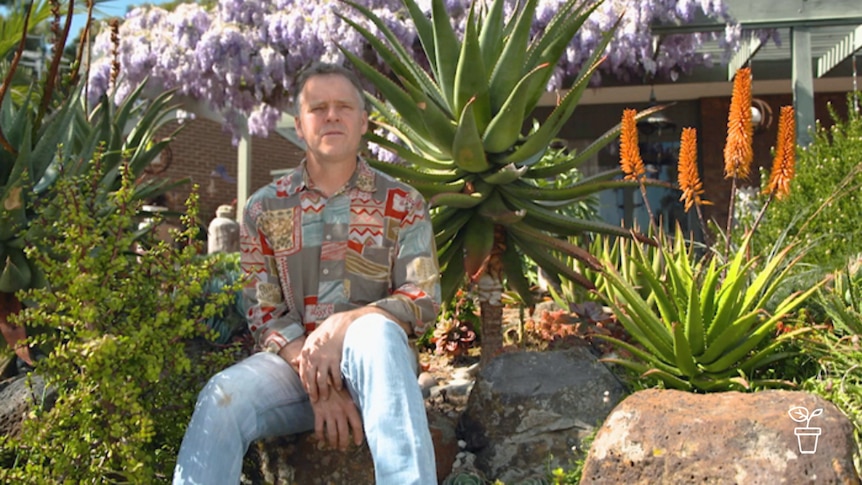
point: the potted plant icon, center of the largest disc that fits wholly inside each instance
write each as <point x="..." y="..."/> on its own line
<point x="806" y="436"/>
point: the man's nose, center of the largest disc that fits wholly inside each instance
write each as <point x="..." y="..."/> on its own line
<point x="332" y="113"/>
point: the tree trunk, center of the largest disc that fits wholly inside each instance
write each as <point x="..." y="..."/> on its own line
<point x="10" y="305"/>
<point x="490" y="291"/>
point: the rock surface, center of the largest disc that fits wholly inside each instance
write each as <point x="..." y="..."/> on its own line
<point x="667" y="436"/>
<point x="17" y="396"/>
<point x="527" y="406"/>
<point x="305" y="460"/>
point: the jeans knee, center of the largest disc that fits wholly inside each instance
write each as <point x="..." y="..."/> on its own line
<point x="371" y="330"/>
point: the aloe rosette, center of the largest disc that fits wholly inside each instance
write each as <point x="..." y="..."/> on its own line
<point x="460" y="129"/>
<point x="701" y="325"/>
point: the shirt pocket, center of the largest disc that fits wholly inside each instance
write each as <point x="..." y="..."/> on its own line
<point x="369" y="273"/>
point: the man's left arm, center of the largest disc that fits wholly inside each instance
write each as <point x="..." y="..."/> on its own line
<point x="415" y="297"/>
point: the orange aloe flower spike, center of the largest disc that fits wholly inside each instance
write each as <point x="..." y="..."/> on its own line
<point x="688" y="177"/>
<point x="738" y="151"/>
<point x="631" y="162"/>
<point x="784" y="163"/>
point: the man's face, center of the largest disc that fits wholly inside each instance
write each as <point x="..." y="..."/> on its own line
<point x="331" y="120"/>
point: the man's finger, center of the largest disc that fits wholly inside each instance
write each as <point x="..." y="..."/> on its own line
<point x="323" y="385"/>
<point x="343" y="434"/>
<point x="356" y="426"/>
<point x="318" y="426"/>
<point x="332" y="432"/>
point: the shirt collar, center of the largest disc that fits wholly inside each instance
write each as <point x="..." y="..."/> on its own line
<point x="363" y="178"/>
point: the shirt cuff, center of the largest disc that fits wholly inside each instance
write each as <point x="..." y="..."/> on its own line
<point x="276" y="341"/>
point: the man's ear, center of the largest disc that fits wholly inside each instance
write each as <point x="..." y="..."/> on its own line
<point x="297" y="126"/>
<point x="364" y="121"/>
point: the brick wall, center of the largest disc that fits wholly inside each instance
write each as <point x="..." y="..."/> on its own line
<point x="202" y="146"/>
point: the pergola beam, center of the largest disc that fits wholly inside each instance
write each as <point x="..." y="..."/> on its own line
<point x="772" y="15"/>
<point x="747" y="50"/>
<point x="840" y="51"/>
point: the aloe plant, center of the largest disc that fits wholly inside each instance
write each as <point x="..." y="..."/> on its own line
<point x="51" y="134"/>
<point x="702" y="324"/>
<point x="461" y="130"/>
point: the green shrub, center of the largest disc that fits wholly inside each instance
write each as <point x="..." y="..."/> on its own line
<point x="120" y="328"/>
<point x="840" y="377"/>
<point x="824" y="200"/>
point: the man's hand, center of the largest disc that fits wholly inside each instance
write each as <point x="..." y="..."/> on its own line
<point x="337" y="418"/>
<point x="319" y="362"/>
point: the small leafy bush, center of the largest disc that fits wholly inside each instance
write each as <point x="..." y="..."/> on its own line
<point x="119" y="326"/>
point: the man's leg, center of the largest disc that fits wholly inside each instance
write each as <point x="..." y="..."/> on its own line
<point x="259" y="397"/>
<point x="380" y="371"/>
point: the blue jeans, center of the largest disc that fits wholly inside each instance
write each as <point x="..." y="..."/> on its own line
<point x="262" y="396"/>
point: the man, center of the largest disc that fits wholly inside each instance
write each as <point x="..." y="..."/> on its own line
<point x="342" y="269"/>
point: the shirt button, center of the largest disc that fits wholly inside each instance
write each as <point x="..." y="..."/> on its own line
<point x="329" y="237"/>
<point x="325" y="271"/>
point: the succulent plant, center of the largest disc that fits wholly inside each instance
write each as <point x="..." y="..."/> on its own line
<point x="461" y="133"/>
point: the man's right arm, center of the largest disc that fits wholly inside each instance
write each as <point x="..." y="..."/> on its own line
<point x="271" y="323"/>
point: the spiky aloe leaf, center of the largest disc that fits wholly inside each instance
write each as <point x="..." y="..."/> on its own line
<point x="446" y="48"/>
<point x="471" y="85"/>
<point x="509" y="67"/>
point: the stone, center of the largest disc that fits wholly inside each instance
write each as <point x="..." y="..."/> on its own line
<point x="17" y="396"/>
<point x="303" y="459"/>
<point x="531" y="410"/>
<point x="669" y="436"/>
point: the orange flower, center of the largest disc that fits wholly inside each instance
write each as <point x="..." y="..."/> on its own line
<point x="630" y="155"/>
<point x="784" y="164"/>
<point x="688" y="177"/>
<point x="738" y="152"/>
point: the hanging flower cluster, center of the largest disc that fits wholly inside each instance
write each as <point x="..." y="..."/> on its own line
<point x="240" y="57"/>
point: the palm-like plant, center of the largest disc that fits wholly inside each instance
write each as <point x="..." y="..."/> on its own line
<point x="50" y="135"/>
<point x="461" y="130"/>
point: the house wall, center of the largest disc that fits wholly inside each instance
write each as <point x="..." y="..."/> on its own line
<point x="202" y="146"/>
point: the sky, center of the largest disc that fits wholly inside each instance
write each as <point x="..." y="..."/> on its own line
<point x="109" y="8"/>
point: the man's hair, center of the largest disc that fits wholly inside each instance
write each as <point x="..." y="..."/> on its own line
<point x="326" y="69"/>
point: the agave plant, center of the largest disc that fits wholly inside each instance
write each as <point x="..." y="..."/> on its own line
<point x="702" y="325"/>
<point x="50" y="135"/>
<point x="461" y="131"/>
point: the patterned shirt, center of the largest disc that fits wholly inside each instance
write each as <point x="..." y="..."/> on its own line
<point x="308" y="256"/>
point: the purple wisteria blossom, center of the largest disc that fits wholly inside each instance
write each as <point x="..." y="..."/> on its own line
<point x="239" y="58"/>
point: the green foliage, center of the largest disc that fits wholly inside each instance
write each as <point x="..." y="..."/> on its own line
<point x="460" y="126"/>
<point x="701" y="325"/>
<point x="823" y="206"/>
<point x="456" y="332"/>
<point x="50" y="133"/>
<point x="841" y="301"/>
<point x="840" y="378"/>
<point x="119" y="325"/>
<point x="560" y="476"/>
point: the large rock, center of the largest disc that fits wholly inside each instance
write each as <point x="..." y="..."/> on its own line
<point x="305" y="460"/>
<point x="664" y="436"/>
<point x="528" y="407"/>
<point x="17" y="397"/>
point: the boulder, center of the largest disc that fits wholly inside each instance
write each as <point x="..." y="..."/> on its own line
<point x="529" y="408"/>
<point x="668" y="436"/>
<point x="303" y="459"/>
<point x="17" y="396"/>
